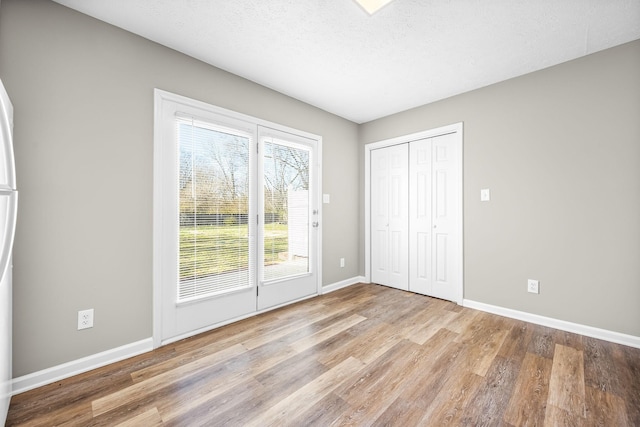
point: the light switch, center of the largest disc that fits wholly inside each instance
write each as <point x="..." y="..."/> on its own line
<point x="485" y="195"/>
<point x="326" y="198"/>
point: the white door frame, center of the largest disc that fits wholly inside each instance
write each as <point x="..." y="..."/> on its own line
<point x="159" y="193"/>
<point x="456" y="128"/>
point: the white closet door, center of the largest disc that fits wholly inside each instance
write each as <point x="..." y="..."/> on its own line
<point x="432" y="216"/>
<point x="379" y="216"/>
<point x="389" y="216"/>
<point x="444" y="216"/>
<point x="420" y="209"/>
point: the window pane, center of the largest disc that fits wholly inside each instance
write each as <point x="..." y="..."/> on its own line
<point x="286" y="209"/>
<point x="214" y="207"/>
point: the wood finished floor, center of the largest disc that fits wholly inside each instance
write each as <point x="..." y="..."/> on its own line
<point x="363" y="355"/>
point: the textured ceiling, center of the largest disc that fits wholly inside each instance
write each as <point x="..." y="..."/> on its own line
<point x="332" y="54"/>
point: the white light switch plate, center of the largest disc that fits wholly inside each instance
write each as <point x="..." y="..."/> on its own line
<point x="326" y="198"/>
<point x="485" y="195"/>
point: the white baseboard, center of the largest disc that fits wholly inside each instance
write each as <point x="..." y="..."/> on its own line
<point x="590" y="331"/>
<point x="342" y="284"/>
<point x="75" y="367"/>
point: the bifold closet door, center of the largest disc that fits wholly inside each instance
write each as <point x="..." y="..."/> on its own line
<point x="432" y="216"/>
<point x="389" y="216"/>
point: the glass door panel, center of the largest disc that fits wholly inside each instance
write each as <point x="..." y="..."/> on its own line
<point x="289" y="212"/>
<point x="286" y="210"/>
<point x="214" y="208"/>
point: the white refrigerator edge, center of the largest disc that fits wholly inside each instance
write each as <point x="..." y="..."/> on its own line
<point x="8" y="213"/>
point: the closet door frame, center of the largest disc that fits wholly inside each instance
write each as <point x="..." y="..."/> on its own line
<point x="456" y="128"/>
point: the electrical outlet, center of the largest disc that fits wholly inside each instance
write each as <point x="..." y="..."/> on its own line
<point x="533" y="286"/>
<point x="341" y="262"/>
<point x="85" y="319"/>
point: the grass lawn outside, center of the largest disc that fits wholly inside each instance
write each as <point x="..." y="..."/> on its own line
<point x="213" y="249"/>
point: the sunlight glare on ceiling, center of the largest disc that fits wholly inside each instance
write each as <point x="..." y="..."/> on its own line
<point x="372" y="6"/>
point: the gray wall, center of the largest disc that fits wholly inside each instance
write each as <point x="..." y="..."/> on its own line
<point x="560" y="151"/>
<point x="83" y="97"/>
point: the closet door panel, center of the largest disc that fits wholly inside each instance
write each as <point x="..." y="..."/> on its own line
<point x="379" y="216"/>
<point x="444" y="216"/>
<point x="420" y="208"/>
<point x="389" y="216"/>
<point x="399" y="218"/>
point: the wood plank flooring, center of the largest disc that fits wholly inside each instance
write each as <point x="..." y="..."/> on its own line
<point x="364" y="355"/>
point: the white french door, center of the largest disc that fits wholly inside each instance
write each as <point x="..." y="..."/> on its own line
<point x="288" y="209"/>
<point x="235" y="207"/>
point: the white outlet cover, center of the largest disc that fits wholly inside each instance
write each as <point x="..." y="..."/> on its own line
<point x="533" y="286"/>
<point x="485" y="195"/>
<point x="85" y="319"/>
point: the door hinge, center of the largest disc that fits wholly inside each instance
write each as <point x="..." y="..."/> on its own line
<point x="258" y="219"/>
<point x="257" y="292"/>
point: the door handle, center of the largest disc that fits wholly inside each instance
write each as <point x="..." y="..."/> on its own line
<point x="315" y="224"/>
